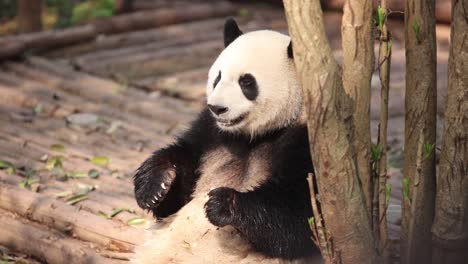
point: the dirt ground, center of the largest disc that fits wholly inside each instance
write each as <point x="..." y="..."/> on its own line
<point x="75" y="123"/>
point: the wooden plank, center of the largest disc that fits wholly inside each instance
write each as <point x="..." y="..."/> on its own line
<point x="67" y="219"/>
<point x="14" y="45"/>
<point x="45" y="244"/>
<point x="188" y="85"/>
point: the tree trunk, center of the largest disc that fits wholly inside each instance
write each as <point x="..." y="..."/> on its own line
<point x="420" y="132"/>
<point x="384" y="61"/>
<point x="329" y="123"/>
<point x="29" y="15"/>
<point x="450" y="229"/>
<point x="358" y="65"/>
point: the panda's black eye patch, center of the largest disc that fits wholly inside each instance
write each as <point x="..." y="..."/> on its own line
<point x="216" y="81"/>
<point x="248" y="86"/>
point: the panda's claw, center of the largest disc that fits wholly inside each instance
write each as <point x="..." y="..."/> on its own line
<point x="152" y="185"/>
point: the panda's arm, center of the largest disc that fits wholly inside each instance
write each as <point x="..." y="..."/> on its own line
<point x="274" y="216"/>
<point x="165" y="181"/>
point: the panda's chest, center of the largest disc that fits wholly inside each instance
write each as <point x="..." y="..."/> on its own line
<point x="221" y="168"/>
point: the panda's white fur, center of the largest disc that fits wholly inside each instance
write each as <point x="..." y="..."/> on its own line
<point x="262" y="54"/>
<point x="187" y="236"/>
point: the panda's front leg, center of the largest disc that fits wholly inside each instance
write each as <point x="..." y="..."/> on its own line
<point x="154" y="179"/>
<point x="164" y="182"/>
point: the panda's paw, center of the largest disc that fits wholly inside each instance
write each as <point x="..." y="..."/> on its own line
<point x="152" y="186"/>
<point x="220" y="207"/>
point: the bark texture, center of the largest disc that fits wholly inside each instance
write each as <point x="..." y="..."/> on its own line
<point x="29" y="15"/>
<point x="329" y="124"/>
<point x="420" y="132"/>
<point x="450" y="229"/>
<point x="385" y="53"/>
<point x="358" y="65"/>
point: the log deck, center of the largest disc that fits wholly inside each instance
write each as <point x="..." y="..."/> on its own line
<point x="101" y="106"/>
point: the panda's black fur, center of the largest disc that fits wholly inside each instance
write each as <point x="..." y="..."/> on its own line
<point x="273" y="216"/>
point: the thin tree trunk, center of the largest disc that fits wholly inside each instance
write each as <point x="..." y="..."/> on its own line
<point x="29" y="15"/>
<point x="385" y="55"/>
<point x="420" y="132"/>
<point x="450" y="229"/>
<point x="329" y="123"/>
<point x="358" y="65"/>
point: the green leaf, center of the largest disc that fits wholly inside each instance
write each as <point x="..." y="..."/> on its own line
<point x="406" y="187"/>
<point x="76" y="198"/>
<point x="38" y="109"/>
<point x="102" y="214"/>
<point x="376" y="152"/>
<point x="116" y="212"/>
<point x="389" y="47"/>
<point x="77" y="174"/>
<point x="388" y="191"/>
<point x="54" y="162"/>
<point x="63" y="194"/>
<point x="26" y="183"/>
<point x="57" y="147"/>
<point x="136" y="221"/>
<point x="11" y="170"/>
<point x="381" y="16"/>
<point x="5" y="164"/>
<point x="417" y="30"/>
<point x="93" y="174"/>
<point x="102" y="161"/>
<point x="428" y="150"/>
<point x="312" y="221"/>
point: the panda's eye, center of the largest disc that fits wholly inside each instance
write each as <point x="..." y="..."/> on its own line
<point x="246" y="80"/>
<point x="248" y="86"/>
<point x="216" y="81"/>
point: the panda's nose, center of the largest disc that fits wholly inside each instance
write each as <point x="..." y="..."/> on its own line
<point x="217" y="109"/>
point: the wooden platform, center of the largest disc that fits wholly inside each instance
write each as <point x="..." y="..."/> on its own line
<point x="75" y="123"/>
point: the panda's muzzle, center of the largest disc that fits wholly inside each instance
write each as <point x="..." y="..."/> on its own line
<point x="231" y="122"/>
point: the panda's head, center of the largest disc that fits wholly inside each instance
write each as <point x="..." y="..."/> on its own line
<point x="252" y="86"/>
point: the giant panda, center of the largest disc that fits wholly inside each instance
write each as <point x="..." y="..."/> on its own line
<point x="233" y="188"/>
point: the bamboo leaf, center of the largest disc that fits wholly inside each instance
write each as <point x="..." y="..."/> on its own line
<point x="388" y="192"/>
<point x="428" y="150"/>
<point x="5" y="164"/>
<point x="116" y="212"/>
<point x="102" y="161"/>
<point x="77" y="198"/>
<point x="54" y="162"/>
<point x="77" y="174"/>
<point x="417" y="30"/>
<point x="57" y="147"/>
<point x="406" y="188"/>
<point x="63" y="194"/>
<point x="136" y="221"/>
<point x="376" y="152"/>
<point x="102" y="214"/>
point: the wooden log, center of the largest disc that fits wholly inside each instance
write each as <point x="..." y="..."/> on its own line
<point x="188" y="85"/>
<point x="15" y="45"/>
<point x="93" y="205"/>
<point x="67" y="219"/>
<point x="163" y="62"/>
<point x="135" y="38"/>
<point x="47" y="245"/>
<point x="99" y="91"/>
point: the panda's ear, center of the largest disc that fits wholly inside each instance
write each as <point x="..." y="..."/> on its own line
<point x="231" y="31"/>
<point x="290" y="50"/>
